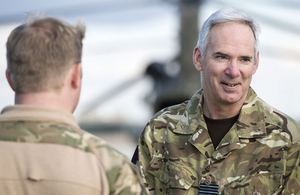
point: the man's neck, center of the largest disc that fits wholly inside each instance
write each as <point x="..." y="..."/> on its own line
<point x="45" y="99"/>
<point x="215" y="111"/>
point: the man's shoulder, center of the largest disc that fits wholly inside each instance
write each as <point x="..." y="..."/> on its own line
<point x="278" y="118"/>
<point x="101" y="148"/>
<point x="167" y="118"/>
<point x="111" y="163"/>
<point x="55" y="132"/>
<point x="174" y="110"/>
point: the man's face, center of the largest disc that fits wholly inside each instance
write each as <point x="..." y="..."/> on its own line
<point x="228" y="64"/>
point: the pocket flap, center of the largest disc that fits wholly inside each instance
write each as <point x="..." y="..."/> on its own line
<point x="264" y="183"/>
<point x="173" y="173"/>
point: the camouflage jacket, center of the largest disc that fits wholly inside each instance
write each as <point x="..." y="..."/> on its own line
<point x="259" y="155"/>
<point x="43" y="151"/>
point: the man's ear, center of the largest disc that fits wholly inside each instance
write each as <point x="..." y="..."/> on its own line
<point x="256" y="63"/>
<point x="197" y="58"/>
<point x="8" y="77"/>
<point x="76" y="76"/>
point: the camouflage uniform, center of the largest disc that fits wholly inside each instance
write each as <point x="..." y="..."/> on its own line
<point x="259" y="155"/>
<point x="43" y="151"/>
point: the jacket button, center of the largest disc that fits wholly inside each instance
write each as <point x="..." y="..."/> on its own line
<point x="166" y="180"/>
<point x="208" y="168"/>
<point x="207" y="182"/>
<point x="256" y="193"/>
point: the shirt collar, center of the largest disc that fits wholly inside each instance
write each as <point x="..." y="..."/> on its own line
<point x="28" y="112"/>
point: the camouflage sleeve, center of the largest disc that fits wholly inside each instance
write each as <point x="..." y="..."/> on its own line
<point x="292" y="177"/>
<point x="122" y="176"/>
<point x="145" y="156"/>
<point x="126" y="180"/>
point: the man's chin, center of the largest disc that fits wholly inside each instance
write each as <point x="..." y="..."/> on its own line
<point x="232" y="99"/>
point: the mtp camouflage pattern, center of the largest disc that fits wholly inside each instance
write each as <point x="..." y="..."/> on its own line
<point x="122" y="176"/>
<point x="259" y="155"/>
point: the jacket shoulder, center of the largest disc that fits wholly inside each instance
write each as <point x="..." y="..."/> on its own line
<point x="177" y="109"/>
<point x="170" y="114"/>
<point x="282" y="120"/>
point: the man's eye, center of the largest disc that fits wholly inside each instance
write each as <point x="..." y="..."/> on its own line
<point x="221" y="57"/>
<point x="246" y="59"/>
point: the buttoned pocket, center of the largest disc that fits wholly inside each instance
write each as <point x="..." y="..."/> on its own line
<point x="258" y="184"/>
<point x="173" y="173"/>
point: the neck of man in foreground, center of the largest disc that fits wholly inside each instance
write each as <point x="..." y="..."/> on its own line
<point x="222" y="111"/>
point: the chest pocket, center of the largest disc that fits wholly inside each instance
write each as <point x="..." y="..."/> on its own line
<point x="259" y="184"/>
<point x="173" y="173"/>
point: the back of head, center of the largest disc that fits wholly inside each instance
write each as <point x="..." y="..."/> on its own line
<point x="224" y="16"/>
<point x="40" y="52"/>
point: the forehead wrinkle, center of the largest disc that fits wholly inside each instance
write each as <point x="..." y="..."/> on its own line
<point x="222" y="41"/>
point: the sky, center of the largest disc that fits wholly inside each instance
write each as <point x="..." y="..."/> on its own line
<point x="123" y="37"/>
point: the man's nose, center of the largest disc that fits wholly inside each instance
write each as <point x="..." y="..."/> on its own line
<point x="232" y="69"/>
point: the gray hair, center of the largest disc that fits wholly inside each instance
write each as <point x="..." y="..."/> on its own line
<point x="226" y="16"/>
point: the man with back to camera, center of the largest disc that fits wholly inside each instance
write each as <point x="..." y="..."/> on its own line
<point x="42" y="148"/>
<point x="225" y="139"/>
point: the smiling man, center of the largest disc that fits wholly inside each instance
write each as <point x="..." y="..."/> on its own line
<point x="225" y="139"/>
<point x="227" y="68"/>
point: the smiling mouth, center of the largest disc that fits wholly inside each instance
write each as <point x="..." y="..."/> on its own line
<point x="230" y="85"/>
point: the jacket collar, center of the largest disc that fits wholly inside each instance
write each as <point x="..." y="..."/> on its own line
<point x="193" y="115"/>
<point x="250" y="124"/>
<point x="28" y="112"/>
<point x="252" y="119"/>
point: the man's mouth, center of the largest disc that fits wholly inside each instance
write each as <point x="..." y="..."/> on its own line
<point x="230" y="85"/>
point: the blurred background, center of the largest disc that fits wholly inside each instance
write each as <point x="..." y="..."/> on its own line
<point x="137" y="57"/>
